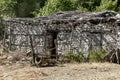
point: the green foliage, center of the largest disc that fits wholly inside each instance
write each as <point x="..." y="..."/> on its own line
<point x="53" y="6"/>
<point x="41" y="3"/>
<point x="96" y="56"/>
<point x="33" y="8"/>
<point x="80" y="8"/>
<point x="24" y="8"/>
<point x="107" y="5"/>
<point x="118" y="9"/>
<point x="74" y="57"/>
<point x="87" y="5"/>
<point x="7" y="8"/>
<point x="18" y="8"/>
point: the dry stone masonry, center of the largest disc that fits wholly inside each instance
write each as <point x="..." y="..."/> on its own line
<point x="64" y="31"/>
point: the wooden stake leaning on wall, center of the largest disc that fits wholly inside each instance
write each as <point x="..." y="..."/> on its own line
<point x="118" y="55"/>
<point x="9" y="37"/>
<point x="32" y="48"/>
<point x="5" y="35"/>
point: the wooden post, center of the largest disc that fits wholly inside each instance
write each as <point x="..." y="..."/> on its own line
<point x="4" y="35"/>
<point x="10" y="35"/>
<point x="32" y="48"/>
<point x="101" y="37"/>
<point x="118" y="55"/>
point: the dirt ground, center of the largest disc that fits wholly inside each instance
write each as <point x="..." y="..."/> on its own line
<point x="82" y="71"/>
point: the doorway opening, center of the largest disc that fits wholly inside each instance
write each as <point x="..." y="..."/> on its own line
<point x="51" y="43"/>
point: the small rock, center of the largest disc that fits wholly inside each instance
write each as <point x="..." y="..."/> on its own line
<point x="10" y="58"/>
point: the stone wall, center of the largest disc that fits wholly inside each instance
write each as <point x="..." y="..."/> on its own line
<point x="93" y="31"/>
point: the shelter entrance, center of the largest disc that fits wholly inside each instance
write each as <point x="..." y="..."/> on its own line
<point x="51" y="43"/>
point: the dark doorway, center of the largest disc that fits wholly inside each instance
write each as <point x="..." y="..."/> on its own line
<point x="51" y="43"/>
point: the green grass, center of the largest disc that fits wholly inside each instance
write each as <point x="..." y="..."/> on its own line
<point x="94" y="56"/>
<point x="73" y="57"/>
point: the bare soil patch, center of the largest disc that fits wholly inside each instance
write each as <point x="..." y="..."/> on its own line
<point x="82" y="71"/>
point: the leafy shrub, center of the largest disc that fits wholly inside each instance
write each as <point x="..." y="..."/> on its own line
<point x="96" y="56"/>
<point x="80" y="8"/>
<point x="107" y="5"/>
<point x="53" y="6"/>
<point x="73" y="57"/>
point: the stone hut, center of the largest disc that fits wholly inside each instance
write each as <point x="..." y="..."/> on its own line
<point x="64" y="31"/>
